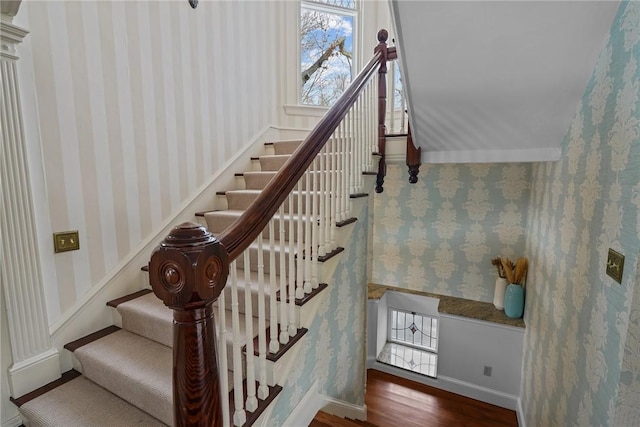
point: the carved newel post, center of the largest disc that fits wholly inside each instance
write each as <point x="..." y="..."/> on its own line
<point x="187" y="272"/>
<point x="383" y="35"/>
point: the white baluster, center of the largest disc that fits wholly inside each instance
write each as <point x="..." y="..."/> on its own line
<point x="324" y="200"/>
<point x="299" y="264"/>
<point x="239" y="416"/>
<point x="390" y="98"/>
<point x="263" y="389"/>
<point x="350" y="178"/>
<point x="362" y="131"/>
<point x="340" y="171"/>
<point x="274" y="346"/>
<point x="284" y="309"/>
<point x="315" y="229"/>
<point x="334" y="191"/>
<point x="360" y="137"/>
<point x="252" y="401"/>
<point x="291" y="276"/>
<point x="374" y="121"/>
<point x="307" y="232"/>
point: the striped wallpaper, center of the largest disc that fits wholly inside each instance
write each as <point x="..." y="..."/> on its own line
<point x="139" y="103"/>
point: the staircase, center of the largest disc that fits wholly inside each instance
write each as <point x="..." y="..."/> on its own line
<point x="256" y="267"/>
<point x="123" y="374"/>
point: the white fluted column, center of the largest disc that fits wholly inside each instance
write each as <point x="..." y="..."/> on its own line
<point x="35" y="361"/>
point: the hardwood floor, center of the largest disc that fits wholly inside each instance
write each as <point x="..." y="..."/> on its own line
<point x="393" y="401"/>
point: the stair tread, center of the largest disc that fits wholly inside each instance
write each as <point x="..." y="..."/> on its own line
<point x="135" y="368"/>
<point x="81" y="402"/>
<point x="149" y="317"/>
<point x="148" y="309"/>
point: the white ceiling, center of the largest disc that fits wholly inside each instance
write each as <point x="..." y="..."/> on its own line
<point x="496" y="80"/>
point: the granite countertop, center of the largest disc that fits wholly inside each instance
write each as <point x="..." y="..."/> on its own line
<point x="454" y="306"/>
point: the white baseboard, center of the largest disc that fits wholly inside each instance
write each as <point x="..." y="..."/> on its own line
<point x="463" y="388"/>
<point x="483" y="394"/>
<point x="32" y="373"/>
<point x="314" y="401"/>
<point x="12" y="422"/>
<point x="520" y="414"/>
<point x="306" y="409"/>
<point x="343" y="409"/>
<point x="90" y="314"/>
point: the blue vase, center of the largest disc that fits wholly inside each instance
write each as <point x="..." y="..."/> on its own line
<point x="514" y="301"/>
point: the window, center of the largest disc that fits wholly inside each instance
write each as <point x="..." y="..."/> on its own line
<point x="412" y="342"/>
<point x="326" y="49"/>
<point x="415" y="330"/>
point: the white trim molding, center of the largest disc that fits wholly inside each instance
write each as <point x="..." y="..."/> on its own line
<point x="520" y="414"/>
<point x="453" y="385"/>
<point x="343" y="409"/>
<point x="314" y="401"/>
<point x="550" y="154"/>
<point x="306" y="410"/>
<point x="305" y="110"/>
<point x="35" y="361"/>
<point x="13" y="422"/>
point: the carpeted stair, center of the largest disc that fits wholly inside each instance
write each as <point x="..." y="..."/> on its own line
<point x="126" y="369"/>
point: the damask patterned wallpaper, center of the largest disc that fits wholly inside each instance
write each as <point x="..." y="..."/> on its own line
<point x="577" y="317"/>
<point x="334" y="350"/>
<point x="440" y="234"/>
<point x="628" y="401"/>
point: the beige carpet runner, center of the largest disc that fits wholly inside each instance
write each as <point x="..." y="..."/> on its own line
<point x="127" y="373"/>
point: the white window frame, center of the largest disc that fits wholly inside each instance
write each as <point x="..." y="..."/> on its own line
<point x="317" y="110"/>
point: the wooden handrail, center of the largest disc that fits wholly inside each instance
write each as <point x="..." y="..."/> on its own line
<point x="239" y="235"/>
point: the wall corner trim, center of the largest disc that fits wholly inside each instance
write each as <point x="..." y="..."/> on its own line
<point x="520" y="414"/>
<point x="343" y="409"/>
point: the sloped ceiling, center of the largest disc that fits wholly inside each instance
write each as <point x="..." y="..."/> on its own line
<point x="496" y="80"/>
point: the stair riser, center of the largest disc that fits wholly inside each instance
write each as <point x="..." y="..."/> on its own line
<point x="217" y="222"/>
<point x="258" y="181"/>
<point x="272" y="163"/>
<point x="241" y="201"/>
<point x="242" y="302"/>
<point x="267" y="255"/>
<point x="286" y="147"/>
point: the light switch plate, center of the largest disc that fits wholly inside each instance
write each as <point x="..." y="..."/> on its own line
<point x="66" y="241"/>
<point x="615" y="265"/>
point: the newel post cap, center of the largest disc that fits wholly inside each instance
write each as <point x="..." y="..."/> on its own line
<point x="383" y="35"/>
<point x="189" y="268"/>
